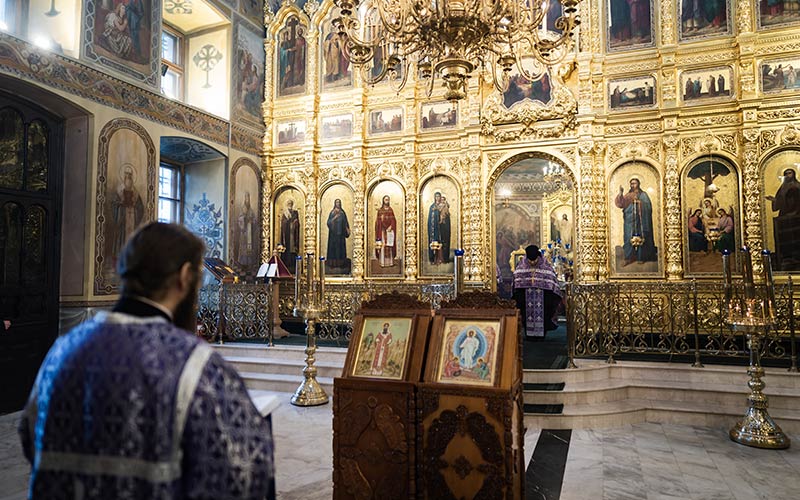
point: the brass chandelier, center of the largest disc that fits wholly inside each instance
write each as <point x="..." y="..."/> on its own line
<point x="449" y="38"/>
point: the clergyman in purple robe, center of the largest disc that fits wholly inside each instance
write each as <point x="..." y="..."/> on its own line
<point x="132" y="404"/>
<point x="537" y="293"/>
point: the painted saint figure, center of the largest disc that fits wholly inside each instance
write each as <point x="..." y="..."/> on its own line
<point x="383" y="342"/>
<point x="786" y="224"/>
<point x="247" y="235"/>
<point x="290" y="234"/>
<point x="127" y="210"/>
<point x="469" y="350"/>
<point x="117" y="32"/>
<point x="637" y="211"/>
<point x="439" y="230"/>
<point x="726" y="239"/>
<point x="697" y="238"/>
<point x="338" y="232"/>
<point x="565" y="230"/>
<point x="385" y="234"/>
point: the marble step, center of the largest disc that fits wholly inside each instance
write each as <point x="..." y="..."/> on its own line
<point x="611" y="390"/>
<point x="283" y="366"/>
<point x="331" y="355"/>
<point x="277" y="382"/>
<point x="598" y="370"/>
<point x="632" y="411"/>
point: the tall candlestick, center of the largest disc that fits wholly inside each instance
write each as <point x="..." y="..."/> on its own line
<point x="298" y="271"/>
<point x="747" y="272"/>
<point x="309" y="277"/>
<point x="321" y="280"/>
<point x="766" y="260"/>
<point x="726" y="267"/>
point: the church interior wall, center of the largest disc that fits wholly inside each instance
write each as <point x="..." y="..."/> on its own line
<point x="622" y="101"/>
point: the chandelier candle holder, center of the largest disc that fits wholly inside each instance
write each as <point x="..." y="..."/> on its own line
<point x="448" y="39"/>
<point x="753" y="313"/>
<point x="309" y="304"/>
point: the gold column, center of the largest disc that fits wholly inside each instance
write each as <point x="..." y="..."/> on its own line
<point x="673" y="235"/>
<point x="600" y="190"/>
<point x="587" y="251"/>
<point x="753" y="236"/>
<point x="359" y="254"/>
<point x="411" y="185"/>
<point x="476" y="247"/>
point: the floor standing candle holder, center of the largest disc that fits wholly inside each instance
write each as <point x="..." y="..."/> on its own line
<point x="753" y="314"/>
<point x="309" y="304"/>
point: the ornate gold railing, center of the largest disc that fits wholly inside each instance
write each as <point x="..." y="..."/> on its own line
<point x="618" y="320"/>
<point x="236" y="311"/>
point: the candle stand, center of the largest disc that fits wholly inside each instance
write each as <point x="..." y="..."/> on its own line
<point x="753" y="314"/>
<point x="309" y="305"/>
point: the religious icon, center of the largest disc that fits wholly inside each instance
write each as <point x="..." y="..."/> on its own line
<point x="382" y="121"/>
<point x="336" y="207"/>
<point x="782" y="210"/>
<point x="631" y="24"/>
<point x="288" y="204"/>
<point x="520" y="89"/>
<point x="337" y="127"/>
<point x="336" y="69"/>
<point x="778" y="13"/>
<point x="468" y="352"/>
<point x="632" y="93"/>
<point x="635" y="231"/>
<point x="438" y="115"/>
<point x="291" y="132"/>
<point x="123" y="31"/>
<point x="386" y="225"/>
<point x="383" y="347"/>
<point x="710" y="193"/>
<point x="247" y="235"/>
<point x="780" y="75"/>
<point x="292" y="58"/>
<point x="704" y="84"/>
<point x="127" y="209"/>
<point x="439" y="229"/>
<point x="704" y="18"/>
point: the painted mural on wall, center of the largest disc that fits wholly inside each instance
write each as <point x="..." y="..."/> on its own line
<point x="781" y="216"/>
<point x="385" y="224"/>
<point x="253" y="10"/>
<point x="711" y="214"/>
<point x="336" y="215"/>
<point x="382" y="121"/>
<point x="124" y="35"/>
<point x="437" y="115"/>
<point x="290" y="132"/>
<point x="635" y="232"/>
<point x="288" y="210"/>
<point x="248" y="75"/>
<point x="778" y="12"/>
<point x="699" y="86"/>
<point x="631" y="24"/>
<point x="125" y="195"/>
<point x="439" y="225"/>
<point x="520" y="89"/>
<point x="291" y="58"/>
<point x="337" y="127"/>
<point x="780" y="75"/>
<point x="632" y="93"/>
<point x="336" y="69"/>
<point x="703" y="18"/>
<point x="245" y="225"/>
<point x="205" y="220"/>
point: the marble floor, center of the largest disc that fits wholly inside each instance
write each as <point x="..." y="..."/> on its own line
<point x="641" y="461"/>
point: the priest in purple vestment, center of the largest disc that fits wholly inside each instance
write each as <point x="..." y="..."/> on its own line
<point x="131" y="404"/>
<point x="537" y="293"/>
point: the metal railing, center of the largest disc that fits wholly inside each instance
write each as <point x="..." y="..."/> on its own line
<point x="237" y="311"/>
<point x="619" y="320"/>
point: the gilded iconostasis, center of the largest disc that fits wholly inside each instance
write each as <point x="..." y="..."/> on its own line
<point x="666" y="138"/>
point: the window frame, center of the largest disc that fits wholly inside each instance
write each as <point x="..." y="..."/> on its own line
<point x="180" y="176"/>
<point x="178" y="67"/>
